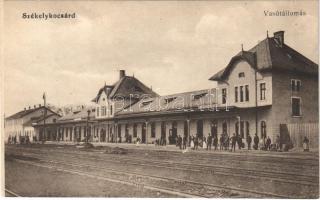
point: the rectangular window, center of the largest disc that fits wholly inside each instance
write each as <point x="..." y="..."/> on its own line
<point x="236" y="94"/>
<point x="111" y="111"/>
<point x="241" y="74"/>
<point x="298" y="85"/>
<point x="224" y="95"/>
<point x="241" y="93"/>
<point x="153" y="130"/>
<point x="293" y="83"/>
<point x="296" y="106"/>
<point x="103" y="111"/>
<point x="247" y="92"/>
<point x="262" y="91"/>
<point x="98" y="111"/>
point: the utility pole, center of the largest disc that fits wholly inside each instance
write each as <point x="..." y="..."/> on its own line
<point x="44" y="118"/>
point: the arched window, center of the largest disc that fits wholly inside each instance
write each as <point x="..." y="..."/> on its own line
<point x="263" y="129"/>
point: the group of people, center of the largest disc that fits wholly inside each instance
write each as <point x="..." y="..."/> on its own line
<point x="22" y="139"/>
<point x="225" y="142"/>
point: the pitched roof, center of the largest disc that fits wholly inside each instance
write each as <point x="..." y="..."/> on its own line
<point x="193" y="100"/>
<point x="267" y="55"/>
<point x="23" y="113"/>
<point x="38" y="119"/>
<point x="83" y="114"/>
<point x="126" y="86"/>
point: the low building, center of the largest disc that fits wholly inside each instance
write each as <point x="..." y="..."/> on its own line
<point x="266" y="90"/>
<point x="21" y="124"/>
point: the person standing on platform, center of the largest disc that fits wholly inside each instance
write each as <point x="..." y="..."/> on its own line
<point x="233" y="142"/>
<point x="268" y="143"/>
<point x="239" y="141"/>
<point x="305" y="144"/>
<point x="215" y="142"/>
<point x="184" y="142"/>
<point x="209" y="142"/>
<point x="180" y="142"/>
<point x="221" y="142"/>
<point x="196" y="142"/>
<point x="249" y="140"/>
<point x="256" y="142"/>
<point x="192" y="143"/>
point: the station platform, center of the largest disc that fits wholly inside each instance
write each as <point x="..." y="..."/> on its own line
<point x="293" y="153"/>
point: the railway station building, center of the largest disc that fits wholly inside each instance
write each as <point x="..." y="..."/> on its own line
<point x="270" y="90"/>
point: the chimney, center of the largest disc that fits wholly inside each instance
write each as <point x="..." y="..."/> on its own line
<point x="29" y="107"/>
<point x="39" y="105"/>
<point x="34" y="106"/>
<point x="25" y="109"/>
<point x="122" y="73"/>
<point x="279" y="38"/>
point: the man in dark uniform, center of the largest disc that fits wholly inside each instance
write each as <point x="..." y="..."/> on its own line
<point x="215" y="142"/>
<point x="209" y="142"/>
<point x="233" y="142"/>
<point x="196" y="140"/>
<point x="184" y="142"/>
<point x="239" y="141"/>
<point x="249" y="140"/>
<point x="221" y="141"/>
<point x="180" y="142"/>
<point x="256" y="142"/>
<point x="268" y="144"/>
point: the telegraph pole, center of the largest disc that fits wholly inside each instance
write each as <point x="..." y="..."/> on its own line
<point x="44" y="117"/>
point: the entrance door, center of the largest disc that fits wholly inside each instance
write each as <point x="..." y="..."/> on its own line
<point x="214" y="128"/>
<point x="119" y="134"/>
<point x="174" y="133"/>
<point x="185" y="129"/>
<point x="143" y="134"/>
<point x="200" y="129"/>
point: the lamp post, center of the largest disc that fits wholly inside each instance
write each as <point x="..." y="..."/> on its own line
<point x="87" y="135"/>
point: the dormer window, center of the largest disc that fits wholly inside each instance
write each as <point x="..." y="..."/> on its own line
<point x="170" y="99"/>
<point x="146" y="102"/>
<point x="241" y="74"/>
<point x="198" y="96"/>
<point x="137" y="89"/>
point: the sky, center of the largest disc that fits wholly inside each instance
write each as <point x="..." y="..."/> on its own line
<point x="173" y="46"/>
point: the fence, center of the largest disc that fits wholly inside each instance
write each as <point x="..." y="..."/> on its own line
<point x="298" y="131"/>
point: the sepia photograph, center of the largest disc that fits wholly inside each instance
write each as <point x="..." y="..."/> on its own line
<point x="160" y="99"/>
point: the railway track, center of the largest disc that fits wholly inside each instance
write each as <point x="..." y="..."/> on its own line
<point x="150" y="182"/>
<point x="195" y="168"/>
<point x="198" y="167"/>
<point x="140" y="162"/>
